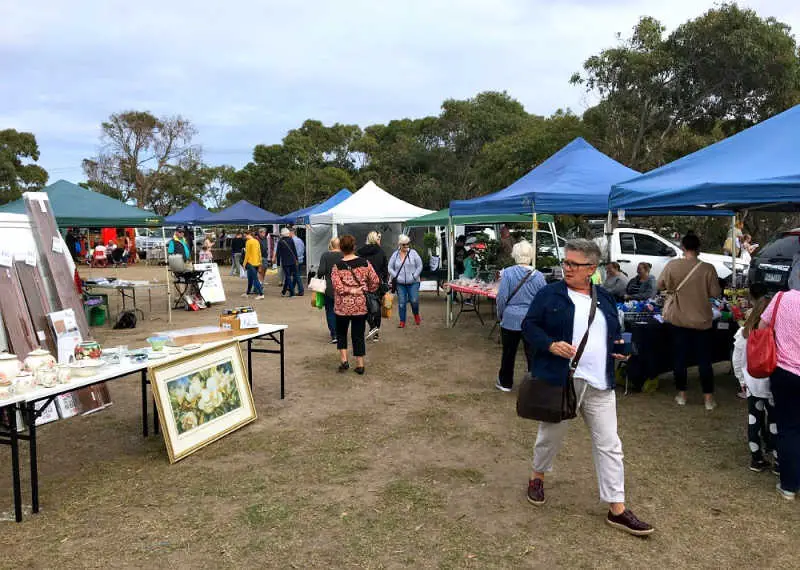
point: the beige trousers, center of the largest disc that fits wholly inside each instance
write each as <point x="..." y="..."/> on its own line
<point x="599" y="411"/>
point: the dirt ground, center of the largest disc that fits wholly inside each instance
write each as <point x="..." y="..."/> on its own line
<point x="420" y="463"/>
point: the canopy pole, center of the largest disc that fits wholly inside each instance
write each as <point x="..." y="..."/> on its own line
<point x="733" y="251"/>
<point x="533" y="236"/>
<point x="166" y="268"/>
<point x="554" y="233"/>
<point x="609" y="232"/>
<point x="451" y="257"/>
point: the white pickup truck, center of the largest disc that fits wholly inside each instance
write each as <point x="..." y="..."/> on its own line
<point x="631" y="246"/>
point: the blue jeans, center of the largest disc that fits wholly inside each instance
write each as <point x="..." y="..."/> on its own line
<point x="291" y="277"/>
<point x="253" y="284"/>
<point x="235" y="262"/>
<point x="330" y="316"/>
<point x="408" y="294"/>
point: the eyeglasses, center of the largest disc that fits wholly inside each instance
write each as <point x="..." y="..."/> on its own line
<point x="572" y="265"/>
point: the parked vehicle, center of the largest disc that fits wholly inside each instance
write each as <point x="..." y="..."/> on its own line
<point x="773" y="263"/>
<point x="631" y="246"/>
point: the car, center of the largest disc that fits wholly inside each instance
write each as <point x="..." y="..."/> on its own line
<point x="772" y="264"/>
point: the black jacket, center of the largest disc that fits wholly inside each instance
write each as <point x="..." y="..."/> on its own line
<point x="376" y="256"/>
<point x="286" y="252"/>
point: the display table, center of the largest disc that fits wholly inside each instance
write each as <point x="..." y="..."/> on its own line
<point x="127" y="292"/>
<point x="652" y="353"/>
<point x="471" y="305"/>
<point x="32" y="403"/>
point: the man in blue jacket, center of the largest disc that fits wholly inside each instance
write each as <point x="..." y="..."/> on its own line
<point x="555" y="326"/>
<point x="286" y="257"/>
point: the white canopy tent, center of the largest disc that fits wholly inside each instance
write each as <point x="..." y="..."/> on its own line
<point x="369" y="209"/>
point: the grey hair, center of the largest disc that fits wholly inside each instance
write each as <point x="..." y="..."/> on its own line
<point x="403" y="239"/>
<point x="522" y="252"/>
<point x="587" y="247"/>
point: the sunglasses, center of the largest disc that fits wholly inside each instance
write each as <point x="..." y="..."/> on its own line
<point x="573" y="265"/>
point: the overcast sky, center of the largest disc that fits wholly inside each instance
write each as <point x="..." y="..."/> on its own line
<point x="245" y="72"/>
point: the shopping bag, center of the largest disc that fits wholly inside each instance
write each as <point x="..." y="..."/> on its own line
<point x="386" y="312"/>
<point x="319" y="300"/>
<point x="762" y="351"/>
<point x="242" y="273"/>
<point x="317" y="284"/>
<point x="388" y="301"/>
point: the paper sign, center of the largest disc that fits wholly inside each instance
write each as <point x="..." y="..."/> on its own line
<point x="6" y="258"/>
<point x="248" y="320"/>
<point x="42" y="206"/>
<point x="40" y="335"/>
<point x="57" y="244"/>
<point x="30" y="258"/>
<point x="723" y="326"/>
<point x="621" y="215"/>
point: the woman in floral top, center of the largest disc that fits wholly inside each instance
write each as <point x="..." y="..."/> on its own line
<point x="352" y="277"/>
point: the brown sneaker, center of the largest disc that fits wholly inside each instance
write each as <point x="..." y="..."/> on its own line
<point x="628" y="522"/>
<point x="536" y="492"/>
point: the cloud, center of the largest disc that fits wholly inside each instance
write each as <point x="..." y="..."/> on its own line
<point x="247" y="71"/>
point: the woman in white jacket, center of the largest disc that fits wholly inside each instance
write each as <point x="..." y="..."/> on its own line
<point x="761" y="427"/>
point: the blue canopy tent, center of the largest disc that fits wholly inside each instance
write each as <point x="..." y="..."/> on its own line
<point x="189" y="215"/>
<point x="575" y="180"/>
<point x="301" y="216"/>
<point x="758" y="168"/>
<point x="241" y="213"/>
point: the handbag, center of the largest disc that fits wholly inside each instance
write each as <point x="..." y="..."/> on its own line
<point x="762" y="352"/>
<point x="372" y="299"/>
<point x="393" y="287"/>
<point x="317" y="284"/>
<point x="671" y="305"/>
<point x="540" y="400"/>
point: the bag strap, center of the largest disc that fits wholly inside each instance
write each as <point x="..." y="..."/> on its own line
<point x="582" y="346"/>
<point x="688" y="276"/>
<point x="775" y="312"/>
<point x="519" y="286"/>
<point x="353" y="273"/>
<point x="404" y="261"/>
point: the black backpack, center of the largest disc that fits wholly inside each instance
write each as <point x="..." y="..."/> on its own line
<point x="126" y="320"/>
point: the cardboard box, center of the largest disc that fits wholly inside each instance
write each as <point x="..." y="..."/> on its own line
<point x="93" y="398"/>
<point x="242" y="321"/>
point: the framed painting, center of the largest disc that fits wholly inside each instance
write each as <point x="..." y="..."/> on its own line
<point x="201" y="397"/>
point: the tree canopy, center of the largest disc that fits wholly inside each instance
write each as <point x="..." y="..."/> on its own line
<point x="659" y="96"/>
<point x="17" y="174"/>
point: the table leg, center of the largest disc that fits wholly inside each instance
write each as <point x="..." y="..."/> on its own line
<point x="250" y="362"/>
<point x="282" y="359"/>
<point x="144" y="404"/>
<point x="30" y="418"/>
<point x="14" y="441"/>
<point x="156" y="424"/>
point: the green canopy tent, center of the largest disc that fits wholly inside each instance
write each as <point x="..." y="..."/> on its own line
<point x="74" y="205"/>
<point x="442" y="218"/>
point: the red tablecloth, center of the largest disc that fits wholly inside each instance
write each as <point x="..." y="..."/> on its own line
<point x="489" y="293"/>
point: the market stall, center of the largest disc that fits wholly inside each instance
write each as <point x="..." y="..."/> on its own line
<point x="756" y="169"/>
<point x="26" y="400"/>
<point x="369" y="209"/>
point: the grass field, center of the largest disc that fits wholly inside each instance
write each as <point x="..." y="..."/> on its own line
<point x="420" y="463"/>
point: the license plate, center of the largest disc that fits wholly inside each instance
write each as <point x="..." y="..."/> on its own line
<point x="773" y="277"/>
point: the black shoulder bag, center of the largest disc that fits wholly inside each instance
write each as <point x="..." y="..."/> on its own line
<point x="542" y="401"/>
<point x="372" y="300"/>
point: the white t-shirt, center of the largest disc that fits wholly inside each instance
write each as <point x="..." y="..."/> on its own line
<point x="592" y="366"/>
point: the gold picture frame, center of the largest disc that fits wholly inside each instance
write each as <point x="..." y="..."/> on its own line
<point x="201" y="398"/>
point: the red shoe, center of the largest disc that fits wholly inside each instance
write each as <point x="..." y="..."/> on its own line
<point x="417" y="319"/>
<point x="402" y="325"/>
